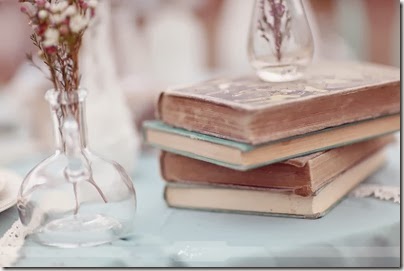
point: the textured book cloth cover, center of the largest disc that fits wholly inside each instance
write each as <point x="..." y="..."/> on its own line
<point x="325" y="78"/>
<point x="271" y="201"/>
<point x="242" y="147"/>
<point x="327" y="86"/>
<point x="303" y="175"/>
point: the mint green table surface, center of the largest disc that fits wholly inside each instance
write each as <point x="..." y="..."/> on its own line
<point x="357" y="232"/>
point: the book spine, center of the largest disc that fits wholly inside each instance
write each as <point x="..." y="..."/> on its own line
<point x="159" y="106"/>
<point x="163" y="171"/>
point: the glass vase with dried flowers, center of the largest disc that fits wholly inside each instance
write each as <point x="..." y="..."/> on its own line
<point x="280" y="43"/>
<point x="74" y="197"/>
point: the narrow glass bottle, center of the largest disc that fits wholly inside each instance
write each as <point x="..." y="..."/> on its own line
<point x="74" y="197"/>
<point x="280" y="43"/>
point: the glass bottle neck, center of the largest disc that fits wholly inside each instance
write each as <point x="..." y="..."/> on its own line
<point x="59" y="113"/>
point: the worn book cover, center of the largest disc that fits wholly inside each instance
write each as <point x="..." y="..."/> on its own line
<point x="303" y="175"/>
<point x="250" y="200"/>
<point x="246" y="109"/>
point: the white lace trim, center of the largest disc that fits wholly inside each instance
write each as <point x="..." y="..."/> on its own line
<point x="11" y="244"/>
<point x="382" y="192"/>
<point x="13" y="240"/>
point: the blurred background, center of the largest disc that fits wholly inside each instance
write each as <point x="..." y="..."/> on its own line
<point x="155" y="44"/>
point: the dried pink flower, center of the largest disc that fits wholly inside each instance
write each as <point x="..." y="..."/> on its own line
<point x="43" y="14"/>
<point x="50" y="50"/>
<point x="64" y="30"/>
<point x="58" y="30"/>
<point x="40" y="3"/>
<point x="24" y="10"/>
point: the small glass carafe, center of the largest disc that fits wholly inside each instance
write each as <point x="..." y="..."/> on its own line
<point x="74" y="197"/>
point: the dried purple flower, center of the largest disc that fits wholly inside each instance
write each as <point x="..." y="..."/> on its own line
<point x="275" y="22"/>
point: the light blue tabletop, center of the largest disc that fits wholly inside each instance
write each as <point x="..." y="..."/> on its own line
<point x="357" y="232"/>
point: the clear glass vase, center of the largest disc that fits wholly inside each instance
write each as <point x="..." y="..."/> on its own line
<point x="74" y="197"/>
<point x="280" y="43"/>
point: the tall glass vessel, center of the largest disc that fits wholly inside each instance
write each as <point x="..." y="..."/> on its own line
<point x="74" y="197"/>
<point x="280" y="43"/>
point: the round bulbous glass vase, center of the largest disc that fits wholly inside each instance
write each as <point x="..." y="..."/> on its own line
<point x="280" y="43"/>
<point x="75" y="198"/>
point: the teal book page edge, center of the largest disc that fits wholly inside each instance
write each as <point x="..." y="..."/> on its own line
<point x="241" y="167"/>
<point x="159" y="126"/>
<point x="244" y="147"/>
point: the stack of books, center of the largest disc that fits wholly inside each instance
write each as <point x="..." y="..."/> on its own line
<point x="294" y="149"/>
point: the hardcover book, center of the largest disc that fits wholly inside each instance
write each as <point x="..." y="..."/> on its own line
<point x="302" y="176"/>
<point x="241" y="156"/>
<point x="245" y="109"/>
<point x="271" y="201"/>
